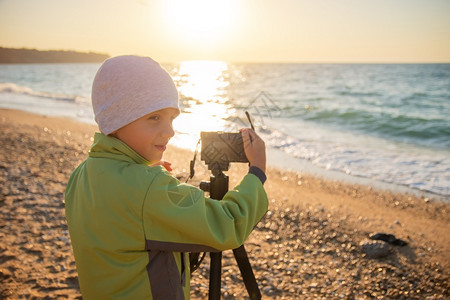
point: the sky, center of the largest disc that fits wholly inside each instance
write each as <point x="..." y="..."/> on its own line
<point x="311" y="31"/>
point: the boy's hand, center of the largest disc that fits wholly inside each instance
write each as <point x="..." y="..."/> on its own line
<point x="165" y="164"/>
<point x="255" y="148"/>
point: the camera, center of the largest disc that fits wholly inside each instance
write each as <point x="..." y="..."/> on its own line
<point x="221" y="148"/>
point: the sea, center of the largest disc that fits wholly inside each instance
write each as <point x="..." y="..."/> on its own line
<point x="386" y="125"/>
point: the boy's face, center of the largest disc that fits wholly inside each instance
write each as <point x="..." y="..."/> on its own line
<point x="149" y="135"/>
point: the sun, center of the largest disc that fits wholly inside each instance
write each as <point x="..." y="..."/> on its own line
<point x="199" y="21"/>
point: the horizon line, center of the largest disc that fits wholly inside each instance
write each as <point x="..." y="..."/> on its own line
<point x="275" y="61"/>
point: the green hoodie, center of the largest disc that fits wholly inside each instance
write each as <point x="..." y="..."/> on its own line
<point x="131" y="225"/>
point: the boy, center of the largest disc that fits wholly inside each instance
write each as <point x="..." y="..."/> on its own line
<point x="130" y="222"/>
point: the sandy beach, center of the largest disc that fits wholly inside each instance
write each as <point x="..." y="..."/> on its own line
<point x="312" y="244"/>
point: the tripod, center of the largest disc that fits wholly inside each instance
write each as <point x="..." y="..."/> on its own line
<point x="218" y="187"/>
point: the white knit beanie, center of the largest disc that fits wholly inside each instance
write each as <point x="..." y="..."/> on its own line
<point x="128" y="87"/>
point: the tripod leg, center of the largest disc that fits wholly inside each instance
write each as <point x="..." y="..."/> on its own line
<point x="247" y="273"/>
<point x="215" y="273"/>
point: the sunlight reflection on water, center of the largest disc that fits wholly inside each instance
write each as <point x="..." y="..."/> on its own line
<point x="202" y="86"/>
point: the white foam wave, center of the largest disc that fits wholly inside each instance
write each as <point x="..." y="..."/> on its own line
<point x="13" y="88"/>
<point x="381" y="160"/>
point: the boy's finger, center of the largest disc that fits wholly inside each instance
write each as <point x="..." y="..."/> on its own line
<point x="167" y="165"/>
<point x="246" y="136"/>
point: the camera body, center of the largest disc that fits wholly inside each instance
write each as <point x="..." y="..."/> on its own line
<point x="221" y="148"/>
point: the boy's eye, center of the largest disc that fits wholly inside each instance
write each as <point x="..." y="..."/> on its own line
<point x="154" y="118"/>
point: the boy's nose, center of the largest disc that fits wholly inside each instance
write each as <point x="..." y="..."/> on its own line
<point x="168" y="131"/>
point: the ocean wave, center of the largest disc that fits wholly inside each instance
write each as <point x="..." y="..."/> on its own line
<point x="425" y="130"/>
<point x="388" y="162"/>
<point x="13" y="88"/>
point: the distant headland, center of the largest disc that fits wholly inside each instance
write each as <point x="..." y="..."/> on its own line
<point x="29" y="56"/>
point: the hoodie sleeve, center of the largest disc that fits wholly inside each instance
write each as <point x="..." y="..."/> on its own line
<point x="178" y="217"/>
